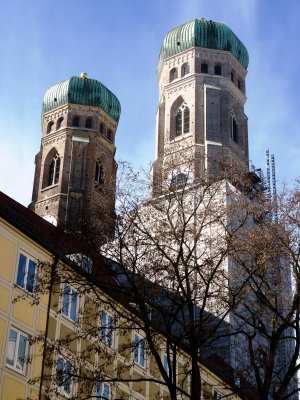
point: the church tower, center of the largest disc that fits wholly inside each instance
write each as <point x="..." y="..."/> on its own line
<point x="74" y="184"/>
<point x="201" y="73"/>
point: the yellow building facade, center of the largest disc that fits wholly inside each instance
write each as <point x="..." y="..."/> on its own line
<point x="91" y="350"/>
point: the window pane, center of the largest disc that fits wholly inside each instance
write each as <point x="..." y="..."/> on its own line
<point x="136" y="349"/>
<point x="65" y="308"/>
<point x="142" y="352"/>
<point x="179" y="122"/>
<point x="67" y="377"/>
<point x="105" y="391"/>
<point x="22" y="353"/>
<point x="186" y="122"/>
<point x="11" y="348"/>
<point x="21" y="270"/>
<point x="30" y="276"/>
<point x="73" y="305"/>
<point x="59" y="371"/>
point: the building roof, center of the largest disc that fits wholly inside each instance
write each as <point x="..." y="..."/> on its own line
<point x="202" y="33"/>
<point x="83" y="91"/>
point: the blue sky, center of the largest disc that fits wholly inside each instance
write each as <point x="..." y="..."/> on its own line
<point x="43" y="42"/>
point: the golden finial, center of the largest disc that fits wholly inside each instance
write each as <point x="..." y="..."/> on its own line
<point x="83" y="75"/>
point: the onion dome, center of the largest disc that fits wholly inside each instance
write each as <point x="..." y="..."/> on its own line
<point x="83" y="91"/>
<point x="202" y="33"/>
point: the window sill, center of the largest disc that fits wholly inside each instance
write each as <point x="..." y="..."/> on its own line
<point x="181" y="137"/>
<point x="22" y="373"/>
<point x="49" y="187"/>
<point x="143" y="367"/>
<point x="72" y="321"/>
<point x="24" y="290"/>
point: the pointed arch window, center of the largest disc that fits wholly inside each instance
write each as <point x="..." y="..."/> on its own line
<point x="173" y="74"/>
<point x="102" y="129"/>
<point x="218" y="70"/>
<point x="182" y="120"/>
<point x="60" y="123"/>
<point x="50" y="127"/>
<point x="99" y="175"/>
<point x="75" y="121"/>
<point x="185" y="69"/>
<point x="233" y="128"/>
<point x="204" y="68"/>
<point x="54" y="169"/>
<point x="89" y="123"/>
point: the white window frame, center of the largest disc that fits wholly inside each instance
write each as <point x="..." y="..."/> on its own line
<point x="16" y="350"/>
<point x="24" y="284"/>
<point x="61" y="389"/>
<point x="68" y="313"/>
<point x="139" y="352"/>
<point x="107" y="332"/>
<point x="166" y="363"/>
<point x="100" y="391"/>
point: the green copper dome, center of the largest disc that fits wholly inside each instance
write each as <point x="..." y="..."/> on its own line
<point x="80" y="90"/>
<point x="202" y="33"/>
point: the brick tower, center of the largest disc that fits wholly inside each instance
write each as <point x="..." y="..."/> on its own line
<point x="74" y="184"/>
<point x="201" y="73"/>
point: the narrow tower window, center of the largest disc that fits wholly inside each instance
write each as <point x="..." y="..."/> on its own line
<point x="173" y="74"/>
<point x="185" y="69"/>
<point x="233" y="128"/>
<point x="182" y="122"/>
<point x="102" y="129"/>
<point x="99" y="179"/>
<point x="75" y="121"/>
<point x="50" y="127"/>
<point x="54" y="168"/>
<point x="60" y="123"/>
<point x="232" y="76"/>
<point x="218" y="70"/>
<point x="89" y="123"/>
<point x="204" y="68"/>
<point x="179" y="122"/>
<point x="110" y="135"/>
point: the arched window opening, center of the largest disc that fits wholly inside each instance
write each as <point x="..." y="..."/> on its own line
<point x="182" y="121"/>
<point x="60" y="123"/>
<point x="218" y="70"/>
<point x="204" y="68"/>
<point x="173" y="74"/>
<point x="54" y="169"/>
<point x="178" y="122"/>
<point x="89" y="123"/>
<point x="102" y="129"/>
<point x="75" y="121"/>
<point x="110" y="135"/>
<point x="50" y="127"/>
<point x="239" y="84"/>
<point x="233" y="128"/>
<point x="185" y="69"/>
<point x="186" y="120"/>
<point x="178" y="180"/>
<point x="99" y="175"/>
<point x="232" y="76"/>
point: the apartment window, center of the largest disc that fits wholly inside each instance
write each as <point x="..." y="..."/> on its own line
<point x="204" y="68"/>
<point x="173" y="74"/>
<point x="106" y="328"/>
<point x="69" y="303"/>
<point x="64" y="376"/>
<point x="139" y="350"/>
<point x="54" y="169"/>
<point x="102" y="391"/>
<point x="168" y="364"/>
<point x="86" y="264"/>
<point x="26" y="272"/>
<point x="17" y="351"/>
